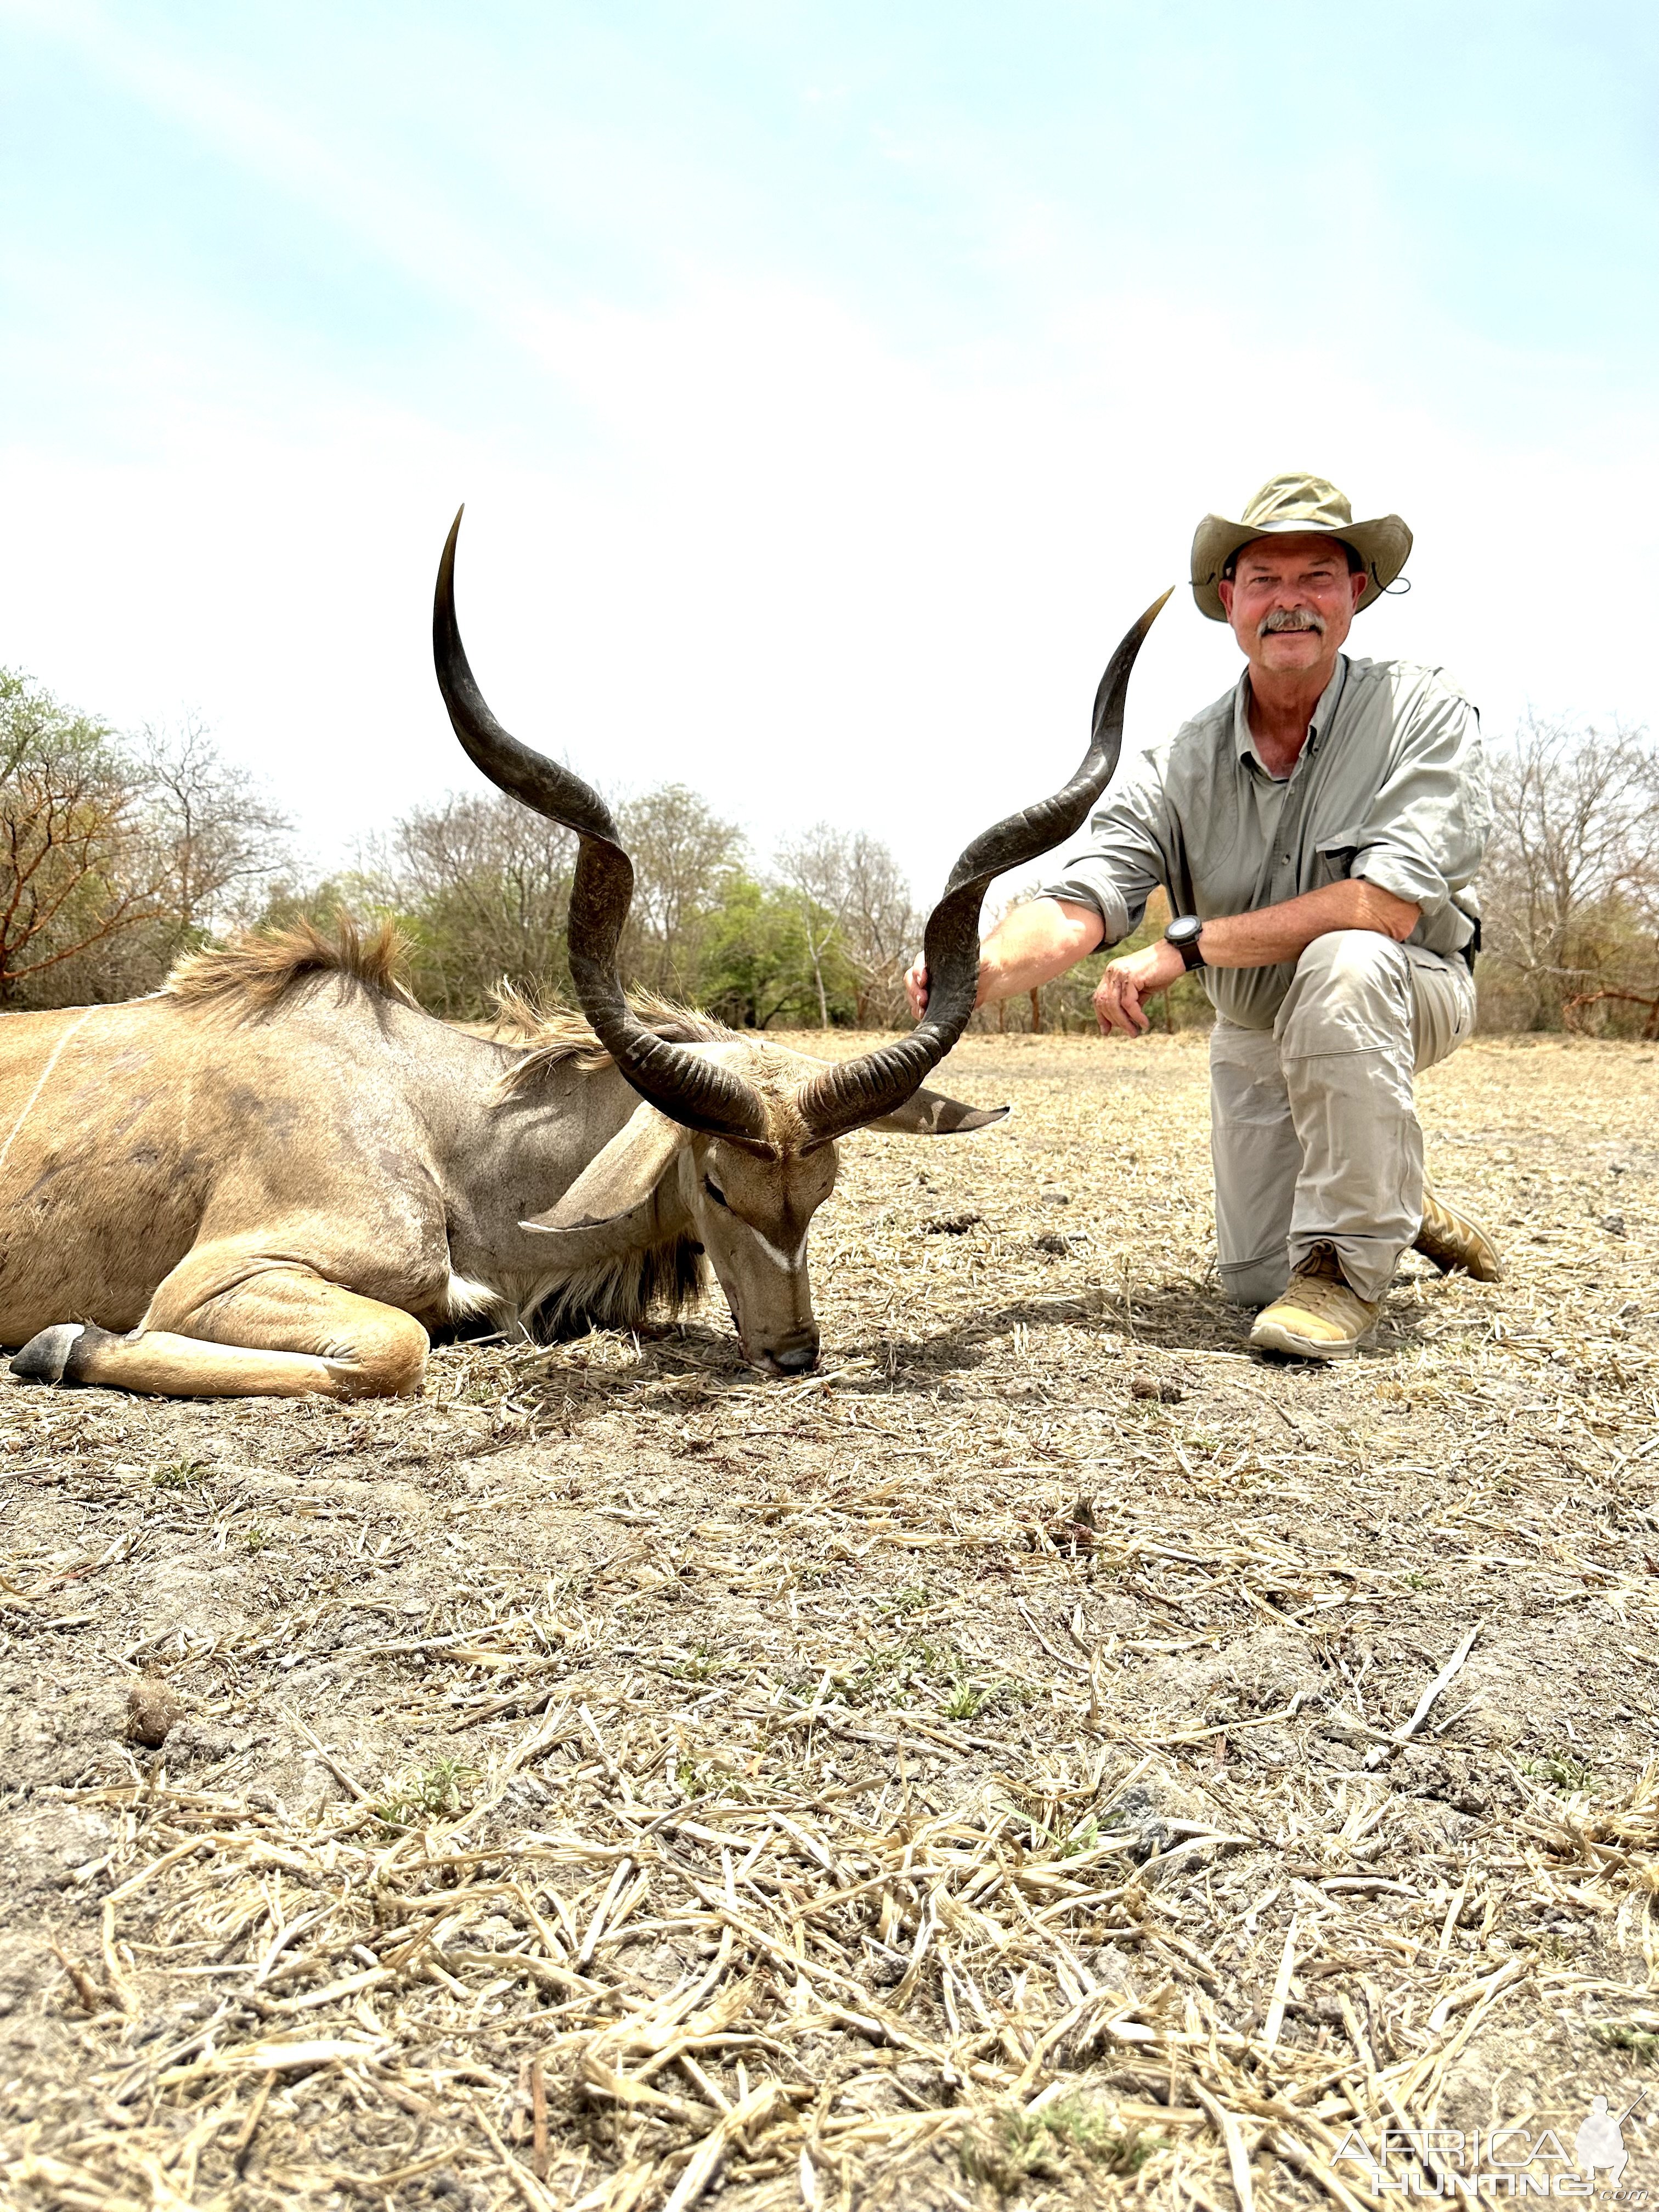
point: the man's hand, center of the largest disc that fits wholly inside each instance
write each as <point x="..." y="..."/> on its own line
<point x="1128" y="981"/>
<point x="1034" y="942"/>
<point x="1029" y="947"/>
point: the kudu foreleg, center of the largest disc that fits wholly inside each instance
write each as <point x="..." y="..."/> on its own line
<point x="157" y="1363"/>
<point x="285" y="1332"/>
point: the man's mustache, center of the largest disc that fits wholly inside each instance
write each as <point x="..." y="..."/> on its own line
<point x="1290" y="618"/>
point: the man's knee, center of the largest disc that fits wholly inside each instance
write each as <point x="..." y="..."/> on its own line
<point x="1351" y="992"/>
<point x="1352" y="959"/>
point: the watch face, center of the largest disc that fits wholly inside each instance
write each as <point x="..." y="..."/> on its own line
<point x="1184" y="932"/>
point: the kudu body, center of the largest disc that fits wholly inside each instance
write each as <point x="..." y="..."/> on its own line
<point x="278" y="1175"/>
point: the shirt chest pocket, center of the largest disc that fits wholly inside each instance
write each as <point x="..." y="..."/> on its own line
<point x="1334" y="859"/>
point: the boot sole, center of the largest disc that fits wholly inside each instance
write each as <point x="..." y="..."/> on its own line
<point x="1460" y="1266"/>
<point x="1272" y="1336"/>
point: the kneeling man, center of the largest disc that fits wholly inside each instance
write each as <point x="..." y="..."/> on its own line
<point x="1316" y="832"/>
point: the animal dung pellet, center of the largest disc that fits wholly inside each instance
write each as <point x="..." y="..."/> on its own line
<point x="1054" y="1194"/>
<point x="152" y="1709"/>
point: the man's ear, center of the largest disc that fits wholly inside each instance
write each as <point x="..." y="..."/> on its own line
<point x="931" y="1113"/>
<point x="621" y="1179"/>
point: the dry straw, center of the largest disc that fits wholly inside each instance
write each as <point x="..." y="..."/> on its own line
<point x="1046" y="1756"/>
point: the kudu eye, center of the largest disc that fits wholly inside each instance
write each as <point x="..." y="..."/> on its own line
<point x="714" y="1191"/>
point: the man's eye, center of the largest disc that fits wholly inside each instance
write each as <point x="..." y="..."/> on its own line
<point x="714" y="1191"/>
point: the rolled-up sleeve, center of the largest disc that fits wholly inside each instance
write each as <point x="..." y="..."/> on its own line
<point x="1426" y="829"/>
<point x="1123" y="862"/>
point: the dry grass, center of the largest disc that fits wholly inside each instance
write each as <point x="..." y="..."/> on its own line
<point x="979" y="1772"/>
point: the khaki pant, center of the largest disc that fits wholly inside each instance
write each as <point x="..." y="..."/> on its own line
<point x="1313" y="1131"/>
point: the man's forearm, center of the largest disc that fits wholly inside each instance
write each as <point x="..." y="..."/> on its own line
<point x="1034" y="944"/>
<point x="1043" y="939"/>
<point x="1273" y="934"/>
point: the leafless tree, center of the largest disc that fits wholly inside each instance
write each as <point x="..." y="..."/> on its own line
<point x="685" y="858"/>
<point x="216" y="839"/>
<point x="854" y="905"/>
<point x="1571" y="884"/>
<point x="486" y="883"/>
<point x="813" y="869"/>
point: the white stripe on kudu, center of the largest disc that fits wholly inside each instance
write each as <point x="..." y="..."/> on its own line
<point x="33" y="1099"/>
<point x="780" y="1259"/>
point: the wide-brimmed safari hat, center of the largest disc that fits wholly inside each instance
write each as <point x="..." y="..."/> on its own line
<point x="1291" y="503"/>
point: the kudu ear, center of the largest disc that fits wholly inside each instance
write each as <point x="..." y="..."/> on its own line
<point x="622" y="1179"/>
<point x="931" y="1113"/>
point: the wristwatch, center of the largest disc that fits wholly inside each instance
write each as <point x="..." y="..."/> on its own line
<point x="1183" y="933"/>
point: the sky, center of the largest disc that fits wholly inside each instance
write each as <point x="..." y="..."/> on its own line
<point x="829" y="386"/>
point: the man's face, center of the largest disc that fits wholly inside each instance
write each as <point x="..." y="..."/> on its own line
<point x="1291" y="602"/>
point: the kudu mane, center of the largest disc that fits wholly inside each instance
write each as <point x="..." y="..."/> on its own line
<point x="258" y="970"/>
<point x="551" y="1034"/>
<point x="555" y="1035"/>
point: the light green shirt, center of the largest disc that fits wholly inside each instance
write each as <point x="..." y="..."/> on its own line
<point x="1391" y="785"/>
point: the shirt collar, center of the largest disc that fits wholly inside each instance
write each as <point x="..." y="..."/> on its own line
<point x="1323" y="715"/>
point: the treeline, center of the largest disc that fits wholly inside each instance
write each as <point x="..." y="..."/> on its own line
<point x="118" y="853"/>
<point x="480" y="886"/>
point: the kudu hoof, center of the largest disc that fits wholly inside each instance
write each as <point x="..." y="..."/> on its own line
<point x="57" y="1354"/>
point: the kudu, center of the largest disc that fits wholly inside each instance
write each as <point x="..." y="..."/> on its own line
<point x="278" y="1174"/>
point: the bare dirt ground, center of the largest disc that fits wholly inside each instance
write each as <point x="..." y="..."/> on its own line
<point x="978" y="1773"/>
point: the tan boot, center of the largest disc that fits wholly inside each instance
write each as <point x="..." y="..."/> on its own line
<point x="1449" y="1241"/>
<point x="1315" y="1315"/>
